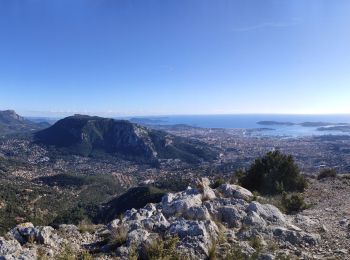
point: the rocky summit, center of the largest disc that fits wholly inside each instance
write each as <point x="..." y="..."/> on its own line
<point x="198" y="223"/>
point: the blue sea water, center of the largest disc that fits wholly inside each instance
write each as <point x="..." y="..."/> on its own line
<point x="250" y="122"/>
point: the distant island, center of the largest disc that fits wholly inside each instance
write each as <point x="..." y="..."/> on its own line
<point x="147" y="121"/>
<point x="275" y="123"/>
<point x="261" y="129"/>
<point x="341" y="128"/>
<point x="323" y="126"/>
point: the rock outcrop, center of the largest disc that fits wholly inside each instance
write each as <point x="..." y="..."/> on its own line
<point x="202" y="222"/>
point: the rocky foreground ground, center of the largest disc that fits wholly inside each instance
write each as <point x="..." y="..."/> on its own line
<point x="201" y="223"/>
<point x="329" y="211"/>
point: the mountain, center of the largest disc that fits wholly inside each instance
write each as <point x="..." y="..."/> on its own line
<point x="12" y="123"/>
<point x="92" y="135"/>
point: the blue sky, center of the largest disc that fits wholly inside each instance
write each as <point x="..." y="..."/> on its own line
<point x="155" y="57"/>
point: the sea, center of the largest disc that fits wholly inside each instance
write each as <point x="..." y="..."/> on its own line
<point x="250" y="123"/>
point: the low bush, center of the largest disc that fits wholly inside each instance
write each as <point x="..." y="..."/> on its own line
<point x="327" y="173"/>
<point x="237" y="176"/>
<point x="293" y="203"/>
<point x="218" y="182"/>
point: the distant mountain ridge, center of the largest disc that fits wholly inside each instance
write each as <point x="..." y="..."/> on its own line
<point x="12" y="123"/>
<point x="90" y="135"/>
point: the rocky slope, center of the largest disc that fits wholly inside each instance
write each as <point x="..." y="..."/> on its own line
<point x="12" y="123"/>
<point x="86" y="135"/>
<point x="329" y="213"/>
<point x="198" y="223"/>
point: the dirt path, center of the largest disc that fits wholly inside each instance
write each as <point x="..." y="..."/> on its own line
<point x="330" y="210"/>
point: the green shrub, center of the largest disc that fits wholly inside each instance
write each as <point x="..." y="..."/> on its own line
<point x="72" y="216"/>
<point x="218" y="182"/>
<point x="293" y="203"/>
<point x="273" y="173"/>
<point x="327" y="173"/>
<point x="237" y="176"/>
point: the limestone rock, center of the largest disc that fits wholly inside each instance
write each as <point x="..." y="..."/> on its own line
<point x="136" y="237"/>
<point x="189" y="215"/>
<point x="8" y="247"/>
<point x="296" y="238"/>
<point x="253" y="219"/>
<point x="173" y="204"/>
<point x="235" y="191"/>
<point x="197" y="212"/>
<point x="231" y="216"/>
<point x="267" y="212"/>
<point x="12" y="250"/>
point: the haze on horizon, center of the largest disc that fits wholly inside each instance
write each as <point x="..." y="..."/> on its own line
<point x="165" y="57"/>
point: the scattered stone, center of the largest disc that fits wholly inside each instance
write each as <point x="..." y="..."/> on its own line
<point x="324" y="229"/>
<point x="343" y="222"/>
<point x="342" y="251"/>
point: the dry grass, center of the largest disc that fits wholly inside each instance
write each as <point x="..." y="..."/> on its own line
<point x="118" y="236"/>
<point x="163" y="249"/>
<point x="86" y="226"/>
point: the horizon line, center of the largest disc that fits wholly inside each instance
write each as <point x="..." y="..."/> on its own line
<point x="102" y="114"/>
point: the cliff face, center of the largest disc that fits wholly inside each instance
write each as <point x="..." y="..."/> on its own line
<point x="10" y="116"/>
<point x="87" y="135"/>
<point x="12" y="123"/>
<point x="199" y="222"/>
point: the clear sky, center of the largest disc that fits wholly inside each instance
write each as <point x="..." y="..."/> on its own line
<point x="151" y="57"/>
